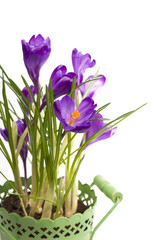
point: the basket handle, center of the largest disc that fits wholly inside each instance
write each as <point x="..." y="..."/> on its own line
<point x="111" y="193"/>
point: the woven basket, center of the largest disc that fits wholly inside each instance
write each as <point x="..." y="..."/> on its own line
<point x="78" y="227"/>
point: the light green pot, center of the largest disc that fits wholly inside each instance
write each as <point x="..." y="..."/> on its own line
<point x="78" y="227"/>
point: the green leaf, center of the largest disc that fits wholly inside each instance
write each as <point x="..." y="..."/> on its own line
<point x="72" y="179"/>
<point x="88" y="80"/>
<point x="49" y="160"/>
<point x="13" y="111"/>
<point x="21" y="142"/>
<point x="104" y="129"/>
<point x="5" y="153"/>
<point x="8" y="124"/>
<point x="29" y="90"/>
<point x="10" y="182"/>
<point x="14" y="133"/>
<point x="98" y="119"/>
<point x="59" y="137"/>
<point x="38" y="198"/>
<point x="102" y="108"/>
<point x="72" y="92"/>
<point x="69" y="142"/>
<point x="2" y="115"/>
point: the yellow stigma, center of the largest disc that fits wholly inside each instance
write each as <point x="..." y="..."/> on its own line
<point x="75" y="115"/>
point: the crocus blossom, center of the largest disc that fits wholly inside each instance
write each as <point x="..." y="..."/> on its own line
<point x="80" y="63"/>
<point x="27" y="94"/>
<point x="21" y="125"/>
<point x="74" y="119"/>
<point x="61" y="83"/>
<point x="98" y="83"/>
<point x="35" y="54"/>
<point x="97" y="125"/>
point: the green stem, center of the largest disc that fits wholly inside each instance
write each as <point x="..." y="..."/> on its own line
<point x="47" y="209"/>
<point x="74" y="197"/>
<point x="33" y="190"/>
<point x="68" y="198"/>
<point x="43" y="195"/>
<point x="17" y="179"/>
<point x="34" y="204"/>
<point x="67" y="180"/>
<point x="65" y="148"/>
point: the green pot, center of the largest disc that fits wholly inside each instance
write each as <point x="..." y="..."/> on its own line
<point x="78" y="227"/>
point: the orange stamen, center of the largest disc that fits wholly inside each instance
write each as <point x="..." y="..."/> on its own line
<point x="75" y="115"/>
<point x="71" y="121"/>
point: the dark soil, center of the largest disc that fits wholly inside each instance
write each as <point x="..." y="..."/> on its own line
<point x="12" y="205"/>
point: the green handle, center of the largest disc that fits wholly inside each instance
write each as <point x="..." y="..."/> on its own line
<point x="111" y="193"/>
<point x="107" y="188"/>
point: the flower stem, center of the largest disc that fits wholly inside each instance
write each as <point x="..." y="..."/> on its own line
<point x="17" y="178"/>
<point x="74" y="197"/>
<point x="18" y="185"/>
<point x="43" y="195"/>
<point x="25" y="177"/>
<point x="47" y="209"/>
<point x="68" y="199"/>
<point x="67" y="181"/>
<point x="33" y="207"/>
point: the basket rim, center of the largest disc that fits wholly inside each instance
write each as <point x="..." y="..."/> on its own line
<point x="87" y="212"/>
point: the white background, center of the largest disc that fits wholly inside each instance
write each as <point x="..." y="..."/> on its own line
<point x="121" y="36"/>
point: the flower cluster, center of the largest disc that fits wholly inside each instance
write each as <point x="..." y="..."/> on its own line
<point x="51" y="121"/>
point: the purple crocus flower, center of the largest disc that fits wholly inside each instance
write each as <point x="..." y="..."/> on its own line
<point x="21" y="125"/>
<point x="35" y="54"/>
<point x="96" y="85"/>
<point x="74" y="119"/>
<point x="61" y="82"/>
<point x="80" y="63"/>
<point x="21" y="128"/>
<point x="27" y="94"/>
<point x="97" y="125"/>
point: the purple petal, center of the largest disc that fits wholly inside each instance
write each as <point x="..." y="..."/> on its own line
<point x="80" y="63"/>
<point x="59" y="72"/>
<point x="35" y="54"/>
<point x="36" y="41"/>
<point x="86" y="109"/>
<point x="96" y="85"/>
<point x="61" y="83"/>
<point x="97" y="125"/>
<point x="62" y="88"/>
<point x="4" y="133"/>
<point x="21" y="128"/>
<point x="57" y="109"/>
<point x="27" y="94"/>
<point x="66" y="107"/>
<point x="81" y="128"/>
